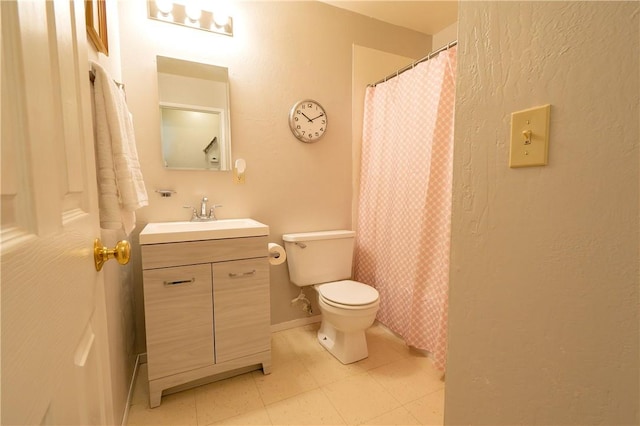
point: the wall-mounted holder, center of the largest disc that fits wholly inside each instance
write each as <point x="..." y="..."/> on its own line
<point x="165" y="193"/>
<point x="239" y="168"/>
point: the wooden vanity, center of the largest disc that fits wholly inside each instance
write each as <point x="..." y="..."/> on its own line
<point x="207" y="311"/>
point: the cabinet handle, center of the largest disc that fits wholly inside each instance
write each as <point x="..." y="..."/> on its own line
<point x="244" y="274"/>
<point x="168" y="283"/>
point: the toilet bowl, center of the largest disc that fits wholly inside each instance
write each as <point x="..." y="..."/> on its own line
<point x="323" y="260"/>
<point x="348" y="308"/>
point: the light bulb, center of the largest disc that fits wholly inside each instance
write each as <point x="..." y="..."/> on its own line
<point x="193" y="11"/>
<point x="220" y="19"/>
<point x="164" y="6"/>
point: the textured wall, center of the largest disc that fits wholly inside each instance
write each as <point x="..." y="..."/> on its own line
<point x="281" y="52"/>
<point x="543" y="321"/>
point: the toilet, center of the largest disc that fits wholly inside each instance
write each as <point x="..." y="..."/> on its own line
<point x="323" y="260"/>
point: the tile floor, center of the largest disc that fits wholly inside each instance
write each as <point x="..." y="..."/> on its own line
<point x="308" y="386"/>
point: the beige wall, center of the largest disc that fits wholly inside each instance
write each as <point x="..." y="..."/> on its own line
<point x="445" y="36"/>
<point x="281" y="52"/>
<point x="543" y="319"/>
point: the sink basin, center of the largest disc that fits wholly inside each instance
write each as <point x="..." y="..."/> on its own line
<point x="173" y="232"/>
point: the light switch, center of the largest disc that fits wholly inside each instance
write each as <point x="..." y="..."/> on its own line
<point x="530" y="137"/>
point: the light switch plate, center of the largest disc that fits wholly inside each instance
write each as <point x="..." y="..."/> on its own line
<point x="530" y="137"/>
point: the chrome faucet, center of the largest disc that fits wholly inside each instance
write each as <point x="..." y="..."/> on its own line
<point x="203" y="215"/>
<point x="203" y="206"/>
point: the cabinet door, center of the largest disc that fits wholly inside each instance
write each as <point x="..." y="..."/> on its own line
<point x="179" y="319"/>
<point x="242" y="308"/>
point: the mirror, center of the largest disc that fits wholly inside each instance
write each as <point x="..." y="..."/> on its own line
<point x="194" y="115"/>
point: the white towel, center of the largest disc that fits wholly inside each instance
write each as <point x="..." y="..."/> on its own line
<point x="120" y="184"/>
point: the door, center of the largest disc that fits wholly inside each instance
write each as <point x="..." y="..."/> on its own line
<point x="178" y="311"/>
<point x="55" y="366"/>
<point x="241" y="308"/>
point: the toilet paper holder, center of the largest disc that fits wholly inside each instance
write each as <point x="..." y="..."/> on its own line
<point x="277" y="254"/>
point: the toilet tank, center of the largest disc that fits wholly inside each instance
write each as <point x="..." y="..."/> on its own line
<point x="319" y="257"/>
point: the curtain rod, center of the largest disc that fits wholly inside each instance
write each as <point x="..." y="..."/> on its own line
<point x="413" y="64"/>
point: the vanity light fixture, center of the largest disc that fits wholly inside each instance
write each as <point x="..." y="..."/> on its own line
<point x="191" y="13"/>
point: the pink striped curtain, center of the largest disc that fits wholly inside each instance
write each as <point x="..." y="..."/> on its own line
<point x="404" y="211"/>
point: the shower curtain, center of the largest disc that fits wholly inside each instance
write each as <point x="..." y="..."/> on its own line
<point x="404" y="208"/>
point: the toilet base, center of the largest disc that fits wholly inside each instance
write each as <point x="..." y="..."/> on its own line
<point x="347" y="347"/>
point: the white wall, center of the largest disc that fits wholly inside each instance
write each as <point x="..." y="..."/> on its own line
<point x="543" y="307"/>
<point x="281" y="52"/>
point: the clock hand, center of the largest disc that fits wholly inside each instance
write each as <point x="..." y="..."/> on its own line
<point x="316" y="117"/>
<point x="305" y="116"/>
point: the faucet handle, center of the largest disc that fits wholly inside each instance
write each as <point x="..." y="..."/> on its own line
<point x="212" y="211"/>
<point x="205" y="199"/>
<point x="194" y="212"/>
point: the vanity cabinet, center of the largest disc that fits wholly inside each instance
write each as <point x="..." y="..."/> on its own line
<point x="207" y="311"/>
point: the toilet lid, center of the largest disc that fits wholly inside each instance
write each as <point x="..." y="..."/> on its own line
<point x="348" y="292"/>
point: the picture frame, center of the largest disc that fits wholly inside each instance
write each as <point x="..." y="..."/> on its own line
<point x="96" y="19"/>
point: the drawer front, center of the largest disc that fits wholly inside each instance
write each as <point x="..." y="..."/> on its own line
<point x="241" y="308"/>
<point x="179" y="319"/>
<point x="194" y="252"/>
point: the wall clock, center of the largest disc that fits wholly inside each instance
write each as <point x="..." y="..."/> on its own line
<point x="307" y="120"/>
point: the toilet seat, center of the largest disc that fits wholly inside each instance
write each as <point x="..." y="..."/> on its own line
<point x="348" y="294"/>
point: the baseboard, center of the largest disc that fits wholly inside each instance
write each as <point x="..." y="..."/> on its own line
<point x="295" y="323"/>
<point x="132" y="385"/>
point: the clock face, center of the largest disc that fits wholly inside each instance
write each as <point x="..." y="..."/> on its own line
<point x="308" y="120"/>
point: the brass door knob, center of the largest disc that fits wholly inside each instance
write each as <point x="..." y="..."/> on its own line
<point x="121" y="252"/>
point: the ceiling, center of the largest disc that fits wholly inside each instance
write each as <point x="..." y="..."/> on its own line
<point x="427" y="17"/>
